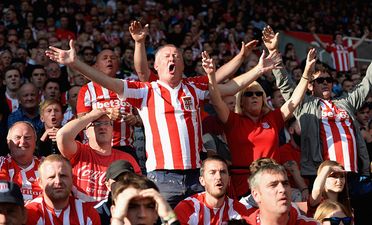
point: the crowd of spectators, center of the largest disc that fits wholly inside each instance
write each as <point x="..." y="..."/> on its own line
<point x="45" y="93"/>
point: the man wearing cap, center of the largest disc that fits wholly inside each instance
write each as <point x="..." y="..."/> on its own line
<point x="90" y="161"/>
<point x="12" y="209"/>
<point x="20" y="166"/>
<point x="57" y="205"/>
<point x="117" y="170"/>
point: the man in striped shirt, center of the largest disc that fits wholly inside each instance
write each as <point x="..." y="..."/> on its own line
<point x="57" y="205"/>
<point x="170" y="110"/>
<point x="20" y="166"/>
<point x="212" y="206"/>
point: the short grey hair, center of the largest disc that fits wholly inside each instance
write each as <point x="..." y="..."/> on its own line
<point x="270" y="168"/>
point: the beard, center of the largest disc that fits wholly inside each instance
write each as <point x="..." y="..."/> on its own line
<point x="57" y="194"/>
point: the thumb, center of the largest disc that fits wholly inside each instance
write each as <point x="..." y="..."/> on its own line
<point x="72" y="44"/>
<point x="277" y="35"/>
<point x="262" y="55"/>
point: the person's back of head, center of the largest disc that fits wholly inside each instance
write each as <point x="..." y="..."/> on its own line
<point x="12" y="210"/>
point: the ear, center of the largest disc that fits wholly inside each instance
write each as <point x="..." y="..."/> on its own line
<point x="201" y="180"/>
<point x="256" y="195"/>
<point x="42" y="118"/>
<point x="310" y="86"/>
<point x="291" y="130"/>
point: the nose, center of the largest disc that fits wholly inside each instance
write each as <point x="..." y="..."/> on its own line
<point x="142" y="211"/>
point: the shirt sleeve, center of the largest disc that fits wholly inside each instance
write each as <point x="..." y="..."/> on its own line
<point x="83" y="104"/>
<point x="3" y="169"/>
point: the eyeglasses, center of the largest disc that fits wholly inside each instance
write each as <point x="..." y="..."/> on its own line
<point x="321" y="80"/>
<point x="337" y="220"/>
<point x="100" y="123"/>
<point x="251" y="93"/>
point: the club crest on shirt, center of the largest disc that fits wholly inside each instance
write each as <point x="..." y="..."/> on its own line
<point x="265" y="125"/>
<point x="187" y="103"/>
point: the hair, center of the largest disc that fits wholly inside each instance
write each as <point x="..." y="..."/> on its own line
<point x="48" y="102"/>
<point x="54" y="158"/>
<point x="257" y="164"/>
<point x="164" y="46"/>
<point x="265" y="106"/>
<point x="343" y="197"/>
<point x="51" y="80"/>
<point x="21" y="122"/>
<point x="8" y="68"/>
<point x="212" y="158"/>
<point x="266" y="167"/>
<point x="327" y="207"/>
<point x="131" y="180"/>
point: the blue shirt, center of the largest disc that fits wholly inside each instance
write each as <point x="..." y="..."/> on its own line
<point x="19" y="115"/>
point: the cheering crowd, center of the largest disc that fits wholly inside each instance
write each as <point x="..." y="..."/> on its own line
<point x="236" y="132"/>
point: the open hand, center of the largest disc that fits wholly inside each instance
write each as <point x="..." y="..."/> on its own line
<point x="272" y="61"/>
<point x="270" y="38"/>
<point x="247" y="48"/>
<point x="207" y="63"/>
<point x="66" y="57"/>
<point x="310" y="61"/>
<point x="138" y="32"/>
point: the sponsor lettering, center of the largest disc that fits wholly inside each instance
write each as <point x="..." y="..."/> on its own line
<point x="26" y="191"/>
<point x="341" y="115"/>
<point x="91" y="176"/>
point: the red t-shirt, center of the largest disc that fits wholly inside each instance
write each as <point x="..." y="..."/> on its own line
<point x="89" y="172"/>
<point x="249" y="140"/>
<point x="25" y="178"/>
<point x="288" y="153"/>
<point x="75" y="213"/>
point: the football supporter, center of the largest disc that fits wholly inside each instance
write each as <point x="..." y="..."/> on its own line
<point x="28" y="98"/>
<point x="90" y="161"/>
<point x="12" y="209"/>
<point x="329" y="127"/>
<point x="38" y="77"/>
<point x="254" y="124"/>
<point x="51" y="116"/>
<point x="331" y="212"/>
<point x="20" y="166"/>
<point x="56" y="205"/>
<point x="212" y="206"/>
<point x="170" y="109"/>
<point x="120" y="169"/>
<point x="271" y="191"/>
<point x="136" y="200"/>
<point x="339" y="52"/>
<point x="93" y="95"/>
<point x="12" y="82"/>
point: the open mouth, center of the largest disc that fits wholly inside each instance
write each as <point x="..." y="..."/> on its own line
<point x="171" y="68"/>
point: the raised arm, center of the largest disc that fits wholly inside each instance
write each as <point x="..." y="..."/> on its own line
<point x="265" y="64"/>
<point x="282" y="78"/>
<point x="233" y="65"/>
<point x="67" y="134"/>
<point x="219" y="105"/>
<point x="366" y="33"/>
<point x="317" y="39"/>
<point x="289" y="106"/>
<point x="139" y="35"/>
<point x="69" y="58"/>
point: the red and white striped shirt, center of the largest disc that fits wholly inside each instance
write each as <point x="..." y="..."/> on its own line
<point x="75" y="213"/>
<point x="171" y="117"/>
<point x="195" y="211"/>
<point x="340" y="55"/>
<point x="89" y="172"/>
<point x="24" y="177"/>
<point x="12" y="103"/>
<point x="93" y="96"/>
<point x="338" y="136"/>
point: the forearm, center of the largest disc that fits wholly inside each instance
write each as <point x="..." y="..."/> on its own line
<point x="140" y="61"/>
<point x="239" y="82"/>
<point x="284" y="82"/>
<point x="229" y="68"/>
<point x="318" y="188"/>
<point x="216" y="99"/>
<point x="97" y="76"/>
<point x="317" y="39"/>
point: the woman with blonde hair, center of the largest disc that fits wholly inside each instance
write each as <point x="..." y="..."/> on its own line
<point x="333" y="213"/>
<point x="252" y="131"/>
<point x="330" y="183"/>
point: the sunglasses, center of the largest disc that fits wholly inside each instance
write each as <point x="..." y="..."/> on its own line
<point x="337" y="220"/>
<point x="251" y="93"/>
<point x="321" y="80"/>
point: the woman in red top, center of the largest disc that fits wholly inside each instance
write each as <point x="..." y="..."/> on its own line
<point x="252" y="131"/>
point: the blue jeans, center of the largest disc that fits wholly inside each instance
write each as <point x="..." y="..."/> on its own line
<point x="176" y="185"/>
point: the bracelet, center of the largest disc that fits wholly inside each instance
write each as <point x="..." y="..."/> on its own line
<point x="170" y="216"/>
<point x="306" y="78"/>
<point x="304" y="189"/>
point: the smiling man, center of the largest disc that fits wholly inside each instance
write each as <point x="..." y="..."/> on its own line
<point x="56" y="205"/>
<point x="212" y="206"/>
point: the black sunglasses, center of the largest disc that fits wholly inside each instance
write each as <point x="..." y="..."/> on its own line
<point x="321" y="80"/>
<point x="337" y="220"/>
<point x="250" y="93"/>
